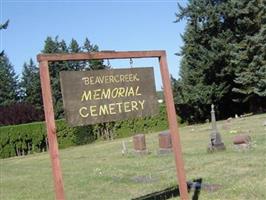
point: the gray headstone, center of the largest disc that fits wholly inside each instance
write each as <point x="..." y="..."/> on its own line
<point x="215" y="137"/>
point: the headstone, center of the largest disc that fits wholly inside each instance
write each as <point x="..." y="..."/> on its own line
<point x="215" y="137"/>
<point x="139" y="144"/>
<point x="242" y="141"/>
<point x="229" y="120"/>
<point x="124" y="148"/>
<point x="264" y="123"/>
<point x="165" y="142"/>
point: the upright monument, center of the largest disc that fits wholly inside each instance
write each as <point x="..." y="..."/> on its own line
<point x="215" y="137"/>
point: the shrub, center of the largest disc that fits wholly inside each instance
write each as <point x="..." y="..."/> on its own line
<point x="142" y="125"/>
<point x="17" y="140"/>
<point x="19" y="113"/>
<point x="25" y="139"/>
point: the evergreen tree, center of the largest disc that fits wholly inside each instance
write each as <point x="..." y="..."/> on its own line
<point x="56" y="46"/>
<point x="218" y="43"/>
<point x="8" y="82"/>
<point x="250" y="54"/>
<point x="205" y="77"/>
<point x="75" y="48"/>
<point x="30" y="85"/>
<point x="3" y="26"/>
<point x="93" y="64"/>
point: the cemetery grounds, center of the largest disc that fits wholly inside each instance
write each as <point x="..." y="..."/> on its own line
<point x="100" y="171"/>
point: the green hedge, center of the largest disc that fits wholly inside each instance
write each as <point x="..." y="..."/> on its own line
<point x="25" y="139"/>
<point x="142" y="125"/>
<point x="29" y="138"/>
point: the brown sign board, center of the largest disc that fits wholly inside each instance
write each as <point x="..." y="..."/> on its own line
<point x="98" y="96"/>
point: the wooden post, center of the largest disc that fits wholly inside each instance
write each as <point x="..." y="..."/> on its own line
<point x="173" y="126"/>
<point x="51" y="130"/>
<point x="49" y="113"/>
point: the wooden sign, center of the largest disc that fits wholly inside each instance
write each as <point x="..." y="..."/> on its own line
<point x="108" y="95"/>
<point x="44" y="60"/>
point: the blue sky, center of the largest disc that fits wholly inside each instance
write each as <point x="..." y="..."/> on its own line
<point x="112" y="25"/>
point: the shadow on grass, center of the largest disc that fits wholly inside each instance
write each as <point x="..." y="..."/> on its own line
<point x="174" y="192"/>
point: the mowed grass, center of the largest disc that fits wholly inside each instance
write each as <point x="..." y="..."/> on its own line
<point x="99" y="171"/>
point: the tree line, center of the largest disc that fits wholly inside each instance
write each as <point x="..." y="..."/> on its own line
<point x="223" y="59"/>
<point x="21" y="99"/>
<point x="223" y="63"/>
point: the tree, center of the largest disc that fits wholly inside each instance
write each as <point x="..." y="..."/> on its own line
<point x="75" y="48"/>
<point x="205" y="75"/>
<point x="223" y="58"/>
<point x="30" y="85"/>
<point x="250" y="54"/>
<point x="93" y="64"/>
<point x="55" y="46"/>
<point x="3" y="26"/>
<point x="8" y="82"/>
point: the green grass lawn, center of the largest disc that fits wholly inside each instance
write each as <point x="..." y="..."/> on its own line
<point x="99" y="171"/>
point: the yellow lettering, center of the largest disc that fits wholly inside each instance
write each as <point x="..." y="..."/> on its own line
<point x="130" y="77"/>
<point x="111" y="79"/>
<point x="86" y="96"/>
<point x="112" y="109"/>
<point x="126" y="77"/>
<point x="99" y="79"/>
<point x="127" y="106"/>
<point x="121" y="92"/>
<point x="130" y="92"/>
<point x="142" y="104"/>
<point x="136" y="77"/>
<point x="137" y="91"/>
<point x="106" y="79"/>
<point x="114" y="93"/>
<point x="126" y="93"/>
<point x="86" y="80"/>
<point x="103" y="110"/>
<point x="122" y="78"/>
<point x="116" y="78"/>
<point x="134" y="105"/>
<point x="93" y="111"/>
<point x="92" y="80"/>
<point x="106" y="94"/>
<point x="81" y="113"/>
<point x="119" y="107"/>
<point x="96" y="94"/>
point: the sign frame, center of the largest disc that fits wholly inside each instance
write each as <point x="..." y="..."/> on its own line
<point x="44" y="60"/>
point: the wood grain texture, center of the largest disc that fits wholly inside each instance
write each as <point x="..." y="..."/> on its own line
<point x="174" y="129"/>
<point x="51" y="130"/>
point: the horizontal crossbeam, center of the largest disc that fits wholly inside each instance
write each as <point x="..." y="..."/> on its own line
<point x="100" y="55"/>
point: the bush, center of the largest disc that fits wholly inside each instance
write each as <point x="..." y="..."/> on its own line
<point x="25" y="139"/>
<point x="142" y="125"/>
<point x="19" y="113"/>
